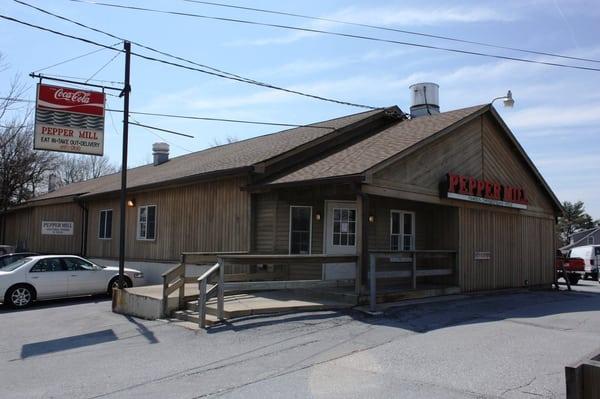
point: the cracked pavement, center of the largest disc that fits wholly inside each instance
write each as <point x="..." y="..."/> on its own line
<point x="509" y="345"/>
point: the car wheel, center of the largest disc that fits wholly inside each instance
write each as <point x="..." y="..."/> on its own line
<point x="114" y="283"/>
<point x="20" y="296"/>
<point x="594" y="276"/>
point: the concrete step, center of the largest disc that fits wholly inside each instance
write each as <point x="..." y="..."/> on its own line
<point x="194" y="317"/>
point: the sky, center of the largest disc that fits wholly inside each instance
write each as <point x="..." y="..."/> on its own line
<point x="556" y="116"/>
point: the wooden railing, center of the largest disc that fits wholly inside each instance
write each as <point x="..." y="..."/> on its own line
<point x="175" y="278"/>
<point x="221" y="286"/>
<point x="448" y="268"/>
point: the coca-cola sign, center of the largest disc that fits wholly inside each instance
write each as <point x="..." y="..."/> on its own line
<point x="71" y="100"/>
<point x="69" y="120"/>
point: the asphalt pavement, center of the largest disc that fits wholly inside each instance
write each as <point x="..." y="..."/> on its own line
<point x="509" y="345"/>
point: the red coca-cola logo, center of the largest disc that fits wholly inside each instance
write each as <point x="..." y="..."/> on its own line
<point x="66" y="99"/>
<point x="73" y="96"/>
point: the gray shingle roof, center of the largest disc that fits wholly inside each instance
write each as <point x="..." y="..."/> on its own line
<point x="369" y="152"/>
<point x="230" y="156"/>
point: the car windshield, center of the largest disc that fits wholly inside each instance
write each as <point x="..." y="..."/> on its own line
<point x="15" y="265"/>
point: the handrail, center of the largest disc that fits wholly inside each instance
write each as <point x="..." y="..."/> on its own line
<point x="247" y="259"/>
<point x="373" y="274"/>
<point x="173" y="279"/>
<point x="203" y="293"/>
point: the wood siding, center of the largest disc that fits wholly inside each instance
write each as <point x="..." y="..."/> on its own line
<point x="202" y="217"/>
<point x="24" y="228"/>
<point x="478" y="149"/>
<point x="521" y="248"/>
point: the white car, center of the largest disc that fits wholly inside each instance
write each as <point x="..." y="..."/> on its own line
<point x="58" y="276"/>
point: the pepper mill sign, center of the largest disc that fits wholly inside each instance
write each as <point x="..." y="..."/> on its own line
<point x="69" y="120"/>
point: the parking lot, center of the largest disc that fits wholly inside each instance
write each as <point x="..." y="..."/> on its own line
<point x="512" y="345"/>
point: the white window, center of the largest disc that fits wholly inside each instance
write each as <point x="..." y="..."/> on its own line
<point x="300" y="229"/>
<point x="402" y="231"/>
<point x="146" y="227"/>
<point x="591" y="240"/>
<point x="344" y="227"/>
<point x="105" y="224"/>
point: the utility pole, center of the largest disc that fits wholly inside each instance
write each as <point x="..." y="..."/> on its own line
<point x="123" y="205"/>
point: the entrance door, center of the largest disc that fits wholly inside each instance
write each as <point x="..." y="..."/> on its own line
<point x="341" y="238"/>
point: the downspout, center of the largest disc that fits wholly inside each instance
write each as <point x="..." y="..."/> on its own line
<point x="84" y="227"/>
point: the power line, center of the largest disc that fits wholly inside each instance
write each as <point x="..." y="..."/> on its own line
<point x="162" y="138"/>
<point x="69" y="60"/>
<point x="161" y="129"/>
<point x="212" y="71"/>
<point x="102" y="67"/>
<point x="331" y="33"/>
<point x="51" y="75"/>
<point x="223" y="120"/>
<point x="200" y="118"/>
<point x="384" y="28"/>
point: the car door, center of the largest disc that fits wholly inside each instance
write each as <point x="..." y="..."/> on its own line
<point x="49" y="278"/>
<point x="84" y="277"/>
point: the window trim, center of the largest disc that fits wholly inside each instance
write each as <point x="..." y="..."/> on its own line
<point x="111" y="224"/>
<point x="412" y="234"/>
<point x="310" y="229"/>
<point x="138" y="236"/>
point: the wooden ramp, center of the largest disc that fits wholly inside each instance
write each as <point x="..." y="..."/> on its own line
<point x="262" y="302"/>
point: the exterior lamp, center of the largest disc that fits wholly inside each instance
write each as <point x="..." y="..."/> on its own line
<point x="371" y="219"/>
<point x="318" y="216"/>
<point x="509" y="102"/>
<point x="131" y="203"/>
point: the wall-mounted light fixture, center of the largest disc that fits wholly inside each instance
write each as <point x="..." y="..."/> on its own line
<point x="131" y="203"/>
<point x="371" y="219"/>
<point x="317" y="216"/>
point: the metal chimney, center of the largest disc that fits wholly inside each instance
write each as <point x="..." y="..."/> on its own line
<point x="160" y="153"/>
<point x="52" y="182"/>
<point x="424" y="99"/>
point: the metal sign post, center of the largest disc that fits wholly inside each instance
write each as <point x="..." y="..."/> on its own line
<point x="125" y="95"/>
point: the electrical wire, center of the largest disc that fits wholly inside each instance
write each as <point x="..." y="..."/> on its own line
<point x="200" y="118"/>
<point x="339" y="34"/>
<point x="102" y="67"/>
<point x="162" y="138"/>
<point x="115" y="82"/>
<point x="135" y="123"/>
<point x="70" y="59"/>
<point x="384" y="28"/>
<point x="223" y="120"/>
<point x="221" y="74"/>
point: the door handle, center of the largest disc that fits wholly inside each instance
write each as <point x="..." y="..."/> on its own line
<point x="74" y="275"/>
<point x="35" y="277"/>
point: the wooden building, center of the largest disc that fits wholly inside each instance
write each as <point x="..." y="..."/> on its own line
<point x="452" y="194"/>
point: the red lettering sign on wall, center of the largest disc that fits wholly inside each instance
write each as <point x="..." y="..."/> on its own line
<point x="468" y="188"/>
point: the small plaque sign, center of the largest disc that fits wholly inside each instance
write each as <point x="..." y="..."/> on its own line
<point x="483" y="256"/>
<point x="57" y="228"/>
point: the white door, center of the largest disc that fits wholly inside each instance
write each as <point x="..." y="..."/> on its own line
<point x="341" y="232"/>
<point x="84" y="277"/>
<point x="49" y="277"/>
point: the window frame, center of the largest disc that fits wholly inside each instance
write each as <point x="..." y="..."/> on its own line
<point x="310" y="229"/>
<point x="590" y="240"/>
<point x="100" y="224"/>
<point x="138" y="223"/>
<point x="402" y="234"/>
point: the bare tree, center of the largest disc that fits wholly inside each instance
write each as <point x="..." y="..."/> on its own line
<point x="228" y="140"/>
<point x="76" y="168"/>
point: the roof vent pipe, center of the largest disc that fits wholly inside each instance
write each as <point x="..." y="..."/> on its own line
<point x="425" y="99"/>
<point x="160" y="153"/>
